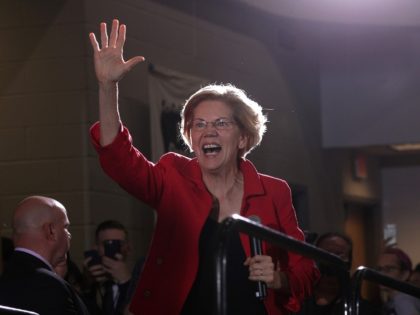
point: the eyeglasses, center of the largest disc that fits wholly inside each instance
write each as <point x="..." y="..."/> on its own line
<point x="387" y="269"/>
<point x="219" y="124"/>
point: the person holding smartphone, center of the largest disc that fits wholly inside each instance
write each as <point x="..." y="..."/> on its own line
<point x="106" y="267"/>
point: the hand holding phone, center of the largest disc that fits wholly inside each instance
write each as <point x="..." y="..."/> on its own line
<point x="111" y="248"/>
<point x="94" y="255"/>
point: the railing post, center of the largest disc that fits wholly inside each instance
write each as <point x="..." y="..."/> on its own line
<point x="223" y="235"/>
<point x="356" y="289"/>
<point x="345" y="291"/>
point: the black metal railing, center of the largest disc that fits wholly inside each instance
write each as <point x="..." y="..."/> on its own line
<point x="17" y="311"/>
<point x="364" y="273"/>
<point x="244" y="225"/>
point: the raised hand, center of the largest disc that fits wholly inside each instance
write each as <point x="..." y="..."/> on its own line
<point x="110" y="66"/>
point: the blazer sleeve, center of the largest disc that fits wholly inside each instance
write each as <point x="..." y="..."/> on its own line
<point x="301" y="271"/>
<point x="127" y="166"/>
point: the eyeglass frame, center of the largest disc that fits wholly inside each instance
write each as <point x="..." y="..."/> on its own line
<point x="387" y="269"/>
<point x="228" y="124"/>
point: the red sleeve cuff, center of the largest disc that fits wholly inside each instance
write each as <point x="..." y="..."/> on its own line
<point x="95" y="132"/>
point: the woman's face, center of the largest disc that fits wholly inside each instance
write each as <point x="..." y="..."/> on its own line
<point x="215" y="145"/>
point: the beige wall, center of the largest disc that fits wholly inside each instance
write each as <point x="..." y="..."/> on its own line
<point x="43" y="104"/>
<point x="401" y="206"/>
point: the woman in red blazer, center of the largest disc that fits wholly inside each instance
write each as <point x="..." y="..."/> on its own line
<point x="220" y="125"/>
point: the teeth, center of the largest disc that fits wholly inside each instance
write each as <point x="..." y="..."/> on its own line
<point x="211" y="148"/>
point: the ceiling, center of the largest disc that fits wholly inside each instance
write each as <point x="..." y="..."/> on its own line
<point x="369" y="62"/>
<point x="376" y="12"/>
<point x="369" y="68"/>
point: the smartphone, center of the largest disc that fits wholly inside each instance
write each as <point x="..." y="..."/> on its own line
<point x="95" y="258"/>
<point x="112" y="247"/>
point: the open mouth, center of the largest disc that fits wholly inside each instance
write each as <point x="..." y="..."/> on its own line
<point x="211" y="148"/>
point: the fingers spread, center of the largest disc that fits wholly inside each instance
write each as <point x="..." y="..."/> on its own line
<point x="133" y="61"/>
<point x="108" y="55"/>
<point x="94" y="42"/>
<point x="104" y="36"/>
<point x="121" y="36"/>
<point x="114" y="33"/>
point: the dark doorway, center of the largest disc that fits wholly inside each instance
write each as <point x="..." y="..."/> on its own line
<point x="363" y="225"/>
<point x="300" y="203"/>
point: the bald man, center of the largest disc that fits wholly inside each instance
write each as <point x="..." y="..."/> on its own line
<point x="42" y="240"/>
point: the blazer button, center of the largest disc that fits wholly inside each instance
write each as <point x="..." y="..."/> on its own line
<point x="159" y="261"/>
<point x="147" y="293"/>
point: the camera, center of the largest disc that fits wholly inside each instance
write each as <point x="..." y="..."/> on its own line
<point x="112" y="247"/>
<point x="95" y="258"/>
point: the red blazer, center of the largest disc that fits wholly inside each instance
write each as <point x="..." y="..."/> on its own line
<point x="173" y="186"/>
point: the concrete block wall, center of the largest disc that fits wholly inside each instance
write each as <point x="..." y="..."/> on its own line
<point x="43" y="118"/>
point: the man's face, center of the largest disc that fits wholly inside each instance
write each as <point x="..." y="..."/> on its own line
<point x="63" y="236"/>
<point x="112" y="234"/>
<point x="389" y="265"/>
<point x="336" y="245"/>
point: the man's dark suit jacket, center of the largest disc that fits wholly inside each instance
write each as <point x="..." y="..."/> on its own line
<point x="30" y="284"/>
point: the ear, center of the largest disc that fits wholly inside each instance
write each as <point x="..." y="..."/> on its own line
<point x="49" y="231"/>
<point x="243" y="141"/>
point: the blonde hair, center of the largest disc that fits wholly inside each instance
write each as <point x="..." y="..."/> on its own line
<point x="246" y="113"/>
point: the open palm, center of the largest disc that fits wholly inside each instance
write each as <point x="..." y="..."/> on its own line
<point x="108" y="59"/>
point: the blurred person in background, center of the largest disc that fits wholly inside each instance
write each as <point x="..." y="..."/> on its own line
<point x="107" y="270"/>
<point x="327" y="295"/>
<point x="415" y="276"/>
<point x="69" y="271"/>
<point x="395" y="263"/>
